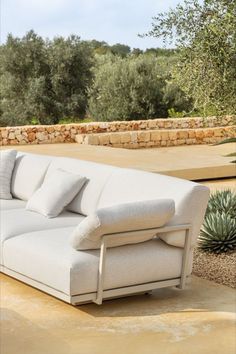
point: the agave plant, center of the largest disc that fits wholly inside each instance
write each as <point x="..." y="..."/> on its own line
<point x="218" y="233"/>
<point x="222" y="201"/>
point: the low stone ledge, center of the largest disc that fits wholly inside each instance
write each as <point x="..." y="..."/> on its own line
<point x="152" y="138"/>
<point x="65" y="133"/>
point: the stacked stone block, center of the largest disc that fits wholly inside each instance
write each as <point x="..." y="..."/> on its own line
<point x="133" y="134"/>
<point x="158" y="138"/>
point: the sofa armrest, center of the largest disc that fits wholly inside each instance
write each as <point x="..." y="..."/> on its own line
<point x="142" y="218"/>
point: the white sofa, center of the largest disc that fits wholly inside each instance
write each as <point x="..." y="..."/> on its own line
<point x="37" y="251"/>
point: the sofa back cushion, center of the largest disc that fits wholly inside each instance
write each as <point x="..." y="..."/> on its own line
<point x="97" y="175"/>
<point x="28" y="174"/>
<point x="190" y="198"/>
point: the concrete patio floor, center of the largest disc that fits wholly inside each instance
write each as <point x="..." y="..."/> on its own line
<point x="191" y="162"/>
<point x="199" y="320"/>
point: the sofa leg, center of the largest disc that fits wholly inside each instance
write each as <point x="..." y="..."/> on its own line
<point x="185" y="259"/>
<point x="101" y="272"/>
<point x="98" y="302"/>
<point x="181" y="286"/>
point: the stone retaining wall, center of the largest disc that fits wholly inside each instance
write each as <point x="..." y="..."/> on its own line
<point x="155" y="138"/>
<point x="63" y="133"/>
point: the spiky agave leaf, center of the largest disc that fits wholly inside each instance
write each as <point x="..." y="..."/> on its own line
<point x="232" y="154"/>
<point x="218" y="233"/>
<point x="223" y="202"/>
<point x="226" y="141"/>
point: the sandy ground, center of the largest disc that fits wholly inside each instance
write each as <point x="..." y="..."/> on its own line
<point x="198" y="320"/>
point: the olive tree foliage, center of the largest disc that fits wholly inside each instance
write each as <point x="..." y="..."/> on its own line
<point x="205" y="34"/>
<point x="132" y="88"/>
<point x="43" y="79"/>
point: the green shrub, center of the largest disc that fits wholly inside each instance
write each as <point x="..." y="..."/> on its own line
<point x="173" y="114"/>
<point x="218" y="232"/>
<point x="133" y="88"/>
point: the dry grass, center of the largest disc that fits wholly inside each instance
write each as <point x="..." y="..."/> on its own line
<point x="220" y="268"/>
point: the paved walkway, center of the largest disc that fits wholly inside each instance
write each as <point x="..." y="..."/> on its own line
<point x="198" y="320"/>
<point x="191" y="162"/>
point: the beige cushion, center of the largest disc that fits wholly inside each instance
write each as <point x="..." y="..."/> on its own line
<point x="97" y="175"/>
<point x="55" y="193"/>
<point x="7" y="162"/>
<point x="139" y="216"/>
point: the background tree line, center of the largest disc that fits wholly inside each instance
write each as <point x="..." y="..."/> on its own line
<point x="68" y="79"/>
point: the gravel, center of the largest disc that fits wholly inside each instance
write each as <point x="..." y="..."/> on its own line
<point x="220" y="268"/>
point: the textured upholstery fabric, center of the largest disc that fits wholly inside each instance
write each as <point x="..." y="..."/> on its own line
<point x="120" y="218"/>
<point x="55" y="193"/>
<point x="7" y="162"/>
<point x="18" y="221"/>
<point x="39" y="247"/>
<point x="97" y="174"/>
<point x="28" y="174"/>
<point x="190" y="198"/>
<point x="12" y="204"/>
<point x="47" y="257"/>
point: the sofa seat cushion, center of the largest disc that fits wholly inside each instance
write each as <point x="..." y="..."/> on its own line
<point x="46" y="256"/>
<point x="12" y="204"/>
<point x="18" y="221"/>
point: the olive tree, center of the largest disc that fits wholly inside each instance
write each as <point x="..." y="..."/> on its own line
<point x="130" y="89"/>
<point x="205" y="34"/>
<point x="43" y="79"/>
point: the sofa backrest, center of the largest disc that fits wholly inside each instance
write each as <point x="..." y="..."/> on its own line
<point x="128" y="185"/>
<point x="97" y="174"/>
<point x="108" y="185"/>
<point x="28" y="174"/>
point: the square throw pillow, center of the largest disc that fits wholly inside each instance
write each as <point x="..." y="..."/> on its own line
<point x="7" y="162"/>
<point x="55" y="193"/>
